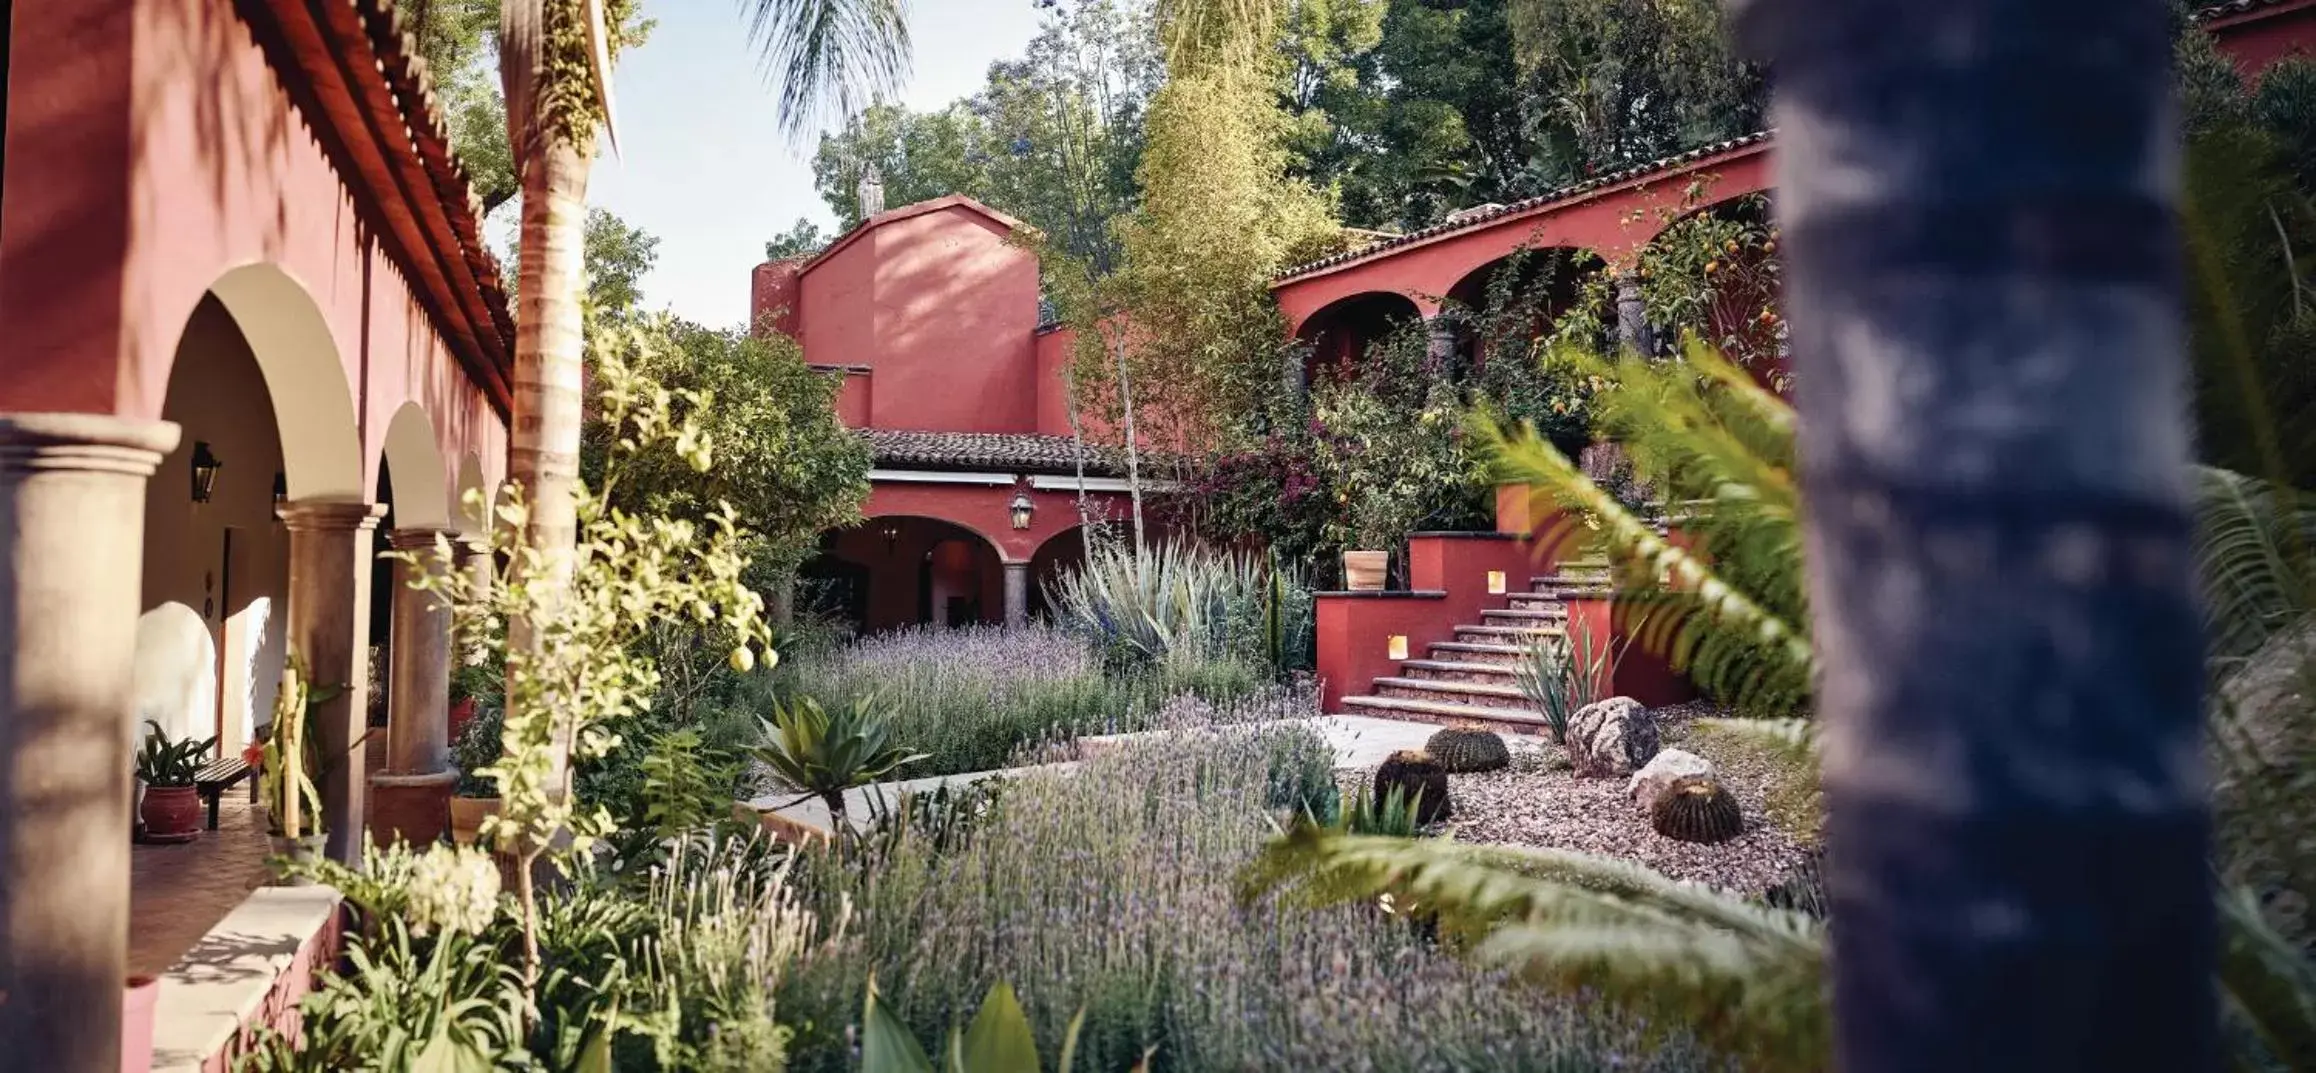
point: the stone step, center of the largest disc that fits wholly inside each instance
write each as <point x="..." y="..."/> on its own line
<point x="1560" y="588"/>
<point x="1500" y="635"/>
<point x="1489" y="694"/>
<point x="1517" y="616"/>
<point x="1479" y="652"/>
<point x="1450" y="670"/>
<point x="1448" y="713"/>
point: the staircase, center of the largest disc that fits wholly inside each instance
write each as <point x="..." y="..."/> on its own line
<point x="1470" y="677"/>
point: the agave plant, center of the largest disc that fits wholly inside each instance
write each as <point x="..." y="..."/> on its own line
<point x="824" y="753"/>
<point x="1560" y="675"/>
<point x="1183" y="599"/>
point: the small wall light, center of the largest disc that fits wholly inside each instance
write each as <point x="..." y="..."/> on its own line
<point x="1495" y="583"/>
<point x="1398" y="646"/>
<point x="892" y="537"/>
<point x="205" y="467"/>
<point x="1022" y="508"/>
<point x="280" y="491"/>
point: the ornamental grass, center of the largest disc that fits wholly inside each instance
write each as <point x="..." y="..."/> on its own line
<point x="972" y="698"/>
<point x="1115" y="889"/>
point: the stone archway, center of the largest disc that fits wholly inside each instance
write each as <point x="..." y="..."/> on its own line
<point x="278" y="557"/>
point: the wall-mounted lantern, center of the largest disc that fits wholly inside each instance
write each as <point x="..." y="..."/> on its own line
<point x="892" y="537"/>
<point x="1495" y="583"/>
<point x="1022" y="508"/>
<point x="280" y="491"/>
<point x="205" y="467"/>
<point x="1396" y="647"/>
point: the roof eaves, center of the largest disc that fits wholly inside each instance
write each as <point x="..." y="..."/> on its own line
<point x="1566" y="193"/>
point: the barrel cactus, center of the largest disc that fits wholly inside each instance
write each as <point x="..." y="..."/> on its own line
<point x="1697" y="808"/>
<point x="1420" y="779"/>
<point x="1467" y="749"/>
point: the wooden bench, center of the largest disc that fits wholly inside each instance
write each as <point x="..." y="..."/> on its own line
<point x="213" y="779"/>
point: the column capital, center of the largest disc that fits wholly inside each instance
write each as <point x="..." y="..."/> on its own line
<point x="93" y="443"/>
<point x="331" y="515"/>
<point x="421" y="537"/>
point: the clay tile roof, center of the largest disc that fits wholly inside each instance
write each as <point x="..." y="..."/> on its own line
<point x="2233" y="7"/>
<point x="1009" y="452"/>
<point x="395" y="35"/>
<point x="1480" y="215"/>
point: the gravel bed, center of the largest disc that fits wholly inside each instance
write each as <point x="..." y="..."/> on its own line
<point x="1539" y="802"/>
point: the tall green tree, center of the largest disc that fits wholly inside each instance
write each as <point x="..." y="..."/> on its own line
<point x="1052" y="138"/>
<point x="1999" y="530"/>
<point x="1622" y="82"/>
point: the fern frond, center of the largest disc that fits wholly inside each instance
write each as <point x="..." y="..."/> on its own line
<point x="2252" y="546"/>
<point x="1746" y="978"/>
<point x="2270" y="982"/>
<point x="1707" y="621"/>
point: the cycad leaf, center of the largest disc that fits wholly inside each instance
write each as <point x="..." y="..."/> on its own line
<point x="999" y="1039"/>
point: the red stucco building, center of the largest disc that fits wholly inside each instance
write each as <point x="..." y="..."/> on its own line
<point x="254" y="336"/>
<point x="930" y="314"/>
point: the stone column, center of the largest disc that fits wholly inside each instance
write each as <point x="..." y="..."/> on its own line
<point x="1016" y="595"/>
<point x="1440" y="344"/>
<point x="1632" y="316"/>
<point x="471" y="555"/>
<point x="410" y="800"/>
<point x="72" y="509"/>
<point x="329" y="610"/>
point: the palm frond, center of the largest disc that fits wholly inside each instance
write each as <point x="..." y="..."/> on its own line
<point x="522" y="48"/>
<point x="2269" y="981"/>
<point x="1729" y="642"/>
<point x="1746" y="978"/>
<point x="2252" y="548"/>
<point x="830" y="55"/>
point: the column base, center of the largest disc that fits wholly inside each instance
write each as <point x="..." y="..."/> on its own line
<point x="412" y="808"/>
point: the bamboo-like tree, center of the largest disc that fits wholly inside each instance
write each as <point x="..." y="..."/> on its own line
<point x="1982" y="264"/>
<point x="555" y="63"/>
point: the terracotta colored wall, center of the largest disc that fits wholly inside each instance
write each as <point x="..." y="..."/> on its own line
<point x="1458" y="565"/>
<point x="1354" y="637"/>
<point x="853" y="398"/>
<point x="941" y="308"/>
<point x="152" y="151"/>
<point x="2259" y="38"/>
<point x="773" y="297"/>
<point x="1601" y="222"/>
<point x="279" y="1009"/>
<point x="1640" y="674"/>
<point x="986" y="510"/>
<point x="1054" y="351"/>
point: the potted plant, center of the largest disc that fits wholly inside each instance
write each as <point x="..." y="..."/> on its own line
<point x="171" y="807"/>
<point x="285" y="761"/>
<point x="479" y="745"/>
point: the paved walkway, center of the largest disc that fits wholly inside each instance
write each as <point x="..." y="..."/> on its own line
<point x="177" y="893"/>
<point x="1359" y="741"/>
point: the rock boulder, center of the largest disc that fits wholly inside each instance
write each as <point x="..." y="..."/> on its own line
<point x="1611" y="738"/>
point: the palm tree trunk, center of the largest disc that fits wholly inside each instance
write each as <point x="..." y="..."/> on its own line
<point x="543" y="455"/>
<point x="1977" y="200"/>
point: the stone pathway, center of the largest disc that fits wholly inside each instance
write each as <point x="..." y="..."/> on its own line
<point x="177" y="893"/>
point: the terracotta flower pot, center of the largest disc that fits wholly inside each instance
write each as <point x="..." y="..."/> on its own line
<point x="140" y="995"/>
<point x="1363" y="571"/>
<point x="171" y="813"/>
<point x="467" y="815"/>
<point x="461" y="713"/>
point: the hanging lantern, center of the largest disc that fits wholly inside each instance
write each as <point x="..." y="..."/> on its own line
<point x="205" y="467"/>
<point x="1022" y="508"/>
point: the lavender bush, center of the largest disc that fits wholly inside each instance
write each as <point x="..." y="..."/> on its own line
<point x="1115" y="889"/>
<point x="972" y="698"/>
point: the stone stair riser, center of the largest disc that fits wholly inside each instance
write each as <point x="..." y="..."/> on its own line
<point x="1473" y="654"/>
<point x="1504" y="720"/>
<point x="1483" y="700"/>
<point x="1495" y="675"/>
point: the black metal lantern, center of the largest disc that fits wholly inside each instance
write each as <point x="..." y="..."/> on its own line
<point x="205" y="467"/>
<point x="1022" y="508"/>
<point x="280" y="490"/>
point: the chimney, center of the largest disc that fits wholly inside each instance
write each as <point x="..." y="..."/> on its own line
<point x="871" y="191"/>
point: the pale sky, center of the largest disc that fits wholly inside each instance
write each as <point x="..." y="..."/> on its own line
<point x="703" y="165"/>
